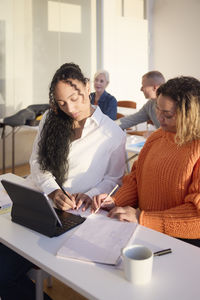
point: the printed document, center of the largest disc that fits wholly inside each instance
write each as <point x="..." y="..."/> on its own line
<point x="99" y="239"/>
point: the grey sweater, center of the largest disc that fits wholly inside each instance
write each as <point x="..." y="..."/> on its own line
<point x="147" y="112"/>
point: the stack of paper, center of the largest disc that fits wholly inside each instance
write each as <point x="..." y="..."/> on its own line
<point x="5" y="202"/>
<point x="99" y="239"/>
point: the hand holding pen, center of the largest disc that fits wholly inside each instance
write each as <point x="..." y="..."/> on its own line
<point x="103" y="200"/>
<point x="62" y="199"/>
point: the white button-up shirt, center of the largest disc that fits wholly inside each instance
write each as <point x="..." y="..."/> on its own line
<point x="96" y="160"/>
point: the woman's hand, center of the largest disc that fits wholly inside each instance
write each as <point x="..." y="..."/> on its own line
<point x="62" y="201"/>
<point x="102" y="201"/>
<point x="82" y="200"/>
<point x="126" y="213"/>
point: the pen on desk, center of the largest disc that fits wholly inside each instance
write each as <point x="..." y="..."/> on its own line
<point x="110" y="194"/>
<point x="162" y="252"/>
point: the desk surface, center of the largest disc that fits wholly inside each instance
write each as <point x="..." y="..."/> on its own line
<point x="134" y="143"/>
<point x="175" y="276"/>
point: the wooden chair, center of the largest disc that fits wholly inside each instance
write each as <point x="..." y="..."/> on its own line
<point x="127" y="103"/>
<point x="137" y="132"/>
<point x="119" y="115"/>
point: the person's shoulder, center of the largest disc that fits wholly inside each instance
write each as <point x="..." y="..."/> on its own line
<point x="109" y="96"/>
<point x="150" y="103"/>
<point x="157" y="134"/>
<point x="111" y="127"/>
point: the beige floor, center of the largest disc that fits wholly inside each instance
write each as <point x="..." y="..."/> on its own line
<point x="60" y="291"/>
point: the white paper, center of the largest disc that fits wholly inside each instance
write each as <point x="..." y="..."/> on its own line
<point x="99" y="239"/>
<point x="87" y="212"/>
<point x="5" y="201"/>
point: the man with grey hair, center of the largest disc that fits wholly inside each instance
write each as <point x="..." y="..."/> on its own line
<point x="150" y="83"/>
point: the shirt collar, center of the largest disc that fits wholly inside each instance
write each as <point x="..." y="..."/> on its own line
<point x="96" y="116"/>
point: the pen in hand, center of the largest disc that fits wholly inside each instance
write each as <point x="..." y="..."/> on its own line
<point x="67" y="195"/>
<point x="110" y="194"/>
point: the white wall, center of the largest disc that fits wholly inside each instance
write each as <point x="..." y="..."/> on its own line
<point x="18" y="53"/>
<point x="175" y="42"/>
<point x="29" y="55"/>
<point x="124" y="47"/>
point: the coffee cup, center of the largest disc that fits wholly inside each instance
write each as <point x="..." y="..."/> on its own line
<point x="138" y="263"/>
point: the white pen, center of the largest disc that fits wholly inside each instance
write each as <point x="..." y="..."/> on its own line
<point x="110" y="194"/>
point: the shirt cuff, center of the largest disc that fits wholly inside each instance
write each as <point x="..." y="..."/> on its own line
<point x="49" y="186"/>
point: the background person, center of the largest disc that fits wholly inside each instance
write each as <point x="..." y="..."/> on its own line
<point x="150" y="83"/>
<point x="76" y="147"/>
<point x="165" y="181"/>
<point x="106" y="102"/>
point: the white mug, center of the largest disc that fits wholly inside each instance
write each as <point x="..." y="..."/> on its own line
<point x="138" y="263"/>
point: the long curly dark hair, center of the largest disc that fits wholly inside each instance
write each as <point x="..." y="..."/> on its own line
<point x="58" y="129"/>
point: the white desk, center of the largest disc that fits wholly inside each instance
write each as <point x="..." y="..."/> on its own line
<point x="175" y="276"/>
<point x="134" y="143"/>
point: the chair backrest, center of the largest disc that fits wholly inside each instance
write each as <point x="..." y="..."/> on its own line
<point x="120" y="116"/>
<point x="149" y="122"/>
<point x="127" y="103"/>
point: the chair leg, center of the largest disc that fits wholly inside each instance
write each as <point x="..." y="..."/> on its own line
<point x="39" y="275"/>
<point x="49" y="281"/>
<point x="127" y="163"/>
<point x="39" y="285"/>
<point x="128" y="159"/>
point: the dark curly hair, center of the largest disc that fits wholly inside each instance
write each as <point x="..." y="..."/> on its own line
<point x="58" y="129"/>
<point x="185" y="92"/>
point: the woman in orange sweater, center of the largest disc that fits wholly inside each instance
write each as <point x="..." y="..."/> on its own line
<point x="162" y="191"/>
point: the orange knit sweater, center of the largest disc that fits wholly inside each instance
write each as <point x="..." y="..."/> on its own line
<point x="165" y="184"/>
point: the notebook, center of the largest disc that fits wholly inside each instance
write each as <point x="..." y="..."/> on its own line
<point x="34" y="210"/>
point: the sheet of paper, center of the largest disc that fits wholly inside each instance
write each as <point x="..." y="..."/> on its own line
<point x="99" y="239"/>
<point x="87" y="212"/>
<point x="5" y="201"/>
<point x="138" y="145"/>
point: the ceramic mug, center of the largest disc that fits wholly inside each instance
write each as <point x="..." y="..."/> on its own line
<point x="138" y="263"/>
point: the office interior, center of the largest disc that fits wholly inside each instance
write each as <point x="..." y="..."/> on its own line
<point x="126" y="37"/>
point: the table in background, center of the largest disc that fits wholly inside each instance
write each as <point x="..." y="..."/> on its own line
<point x="14" y="130"/>
<point x="134" y="144"/>
<point x="175" y="276"/>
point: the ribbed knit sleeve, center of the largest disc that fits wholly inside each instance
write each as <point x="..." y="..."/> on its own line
<point x="166" y="182"/>
<point x="182" y="221"/>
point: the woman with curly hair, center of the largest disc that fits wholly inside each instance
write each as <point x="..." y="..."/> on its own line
<point x="162" y="191"/>
<point x="76" y="148"/>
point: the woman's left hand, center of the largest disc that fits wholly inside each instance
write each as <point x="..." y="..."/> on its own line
<point x="126" y="213"/>
<point x="82" y="199"/>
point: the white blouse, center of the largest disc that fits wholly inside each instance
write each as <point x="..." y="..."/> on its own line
<point x="96" y="160"/>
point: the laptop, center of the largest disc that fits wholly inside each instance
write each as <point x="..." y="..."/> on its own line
<point x="33" y="209"/>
